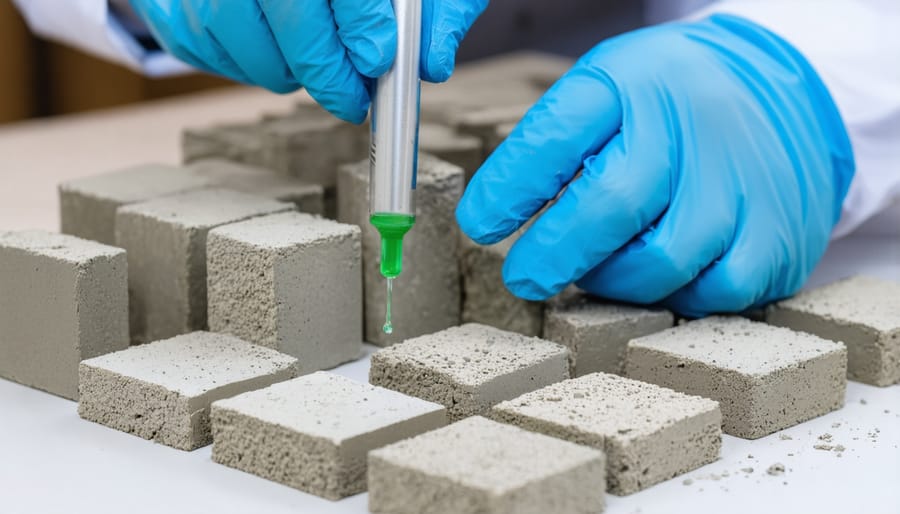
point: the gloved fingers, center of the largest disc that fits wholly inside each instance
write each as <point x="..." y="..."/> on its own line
<point x="616" y="197"/>
<point x="368" y="29"/>
<point x="308" y="38"/>
<point x="444" y="25"/>
<point x="573" y="120"/>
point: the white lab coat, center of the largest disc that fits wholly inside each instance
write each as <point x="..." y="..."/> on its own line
<point x="853" y="44"/>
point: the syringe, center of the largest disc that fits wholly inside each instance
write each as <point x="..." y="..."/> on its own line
<point x="394" y="146"/>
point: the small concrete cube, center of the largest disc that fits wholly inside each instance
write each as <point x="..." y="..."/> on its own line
<point x="478" y="466"/>
<point x="313" y="433"/>
<point x="87" y="206"/>
<point x="288" y="281"/>
<point x="597" y="333"/>
<point x="483" y="123"/>
<point x="500" y="133"/>
<point x="166" y="243"/>
<point x="426" y="296"/>
<point x="469" y="368"/>
<point x="444" y="143"/>
<point x="162" y="391"/>
<point x="62" y="299"/>
<point x="861" y="312"/>
<point x="238" y="142"/>
<point x="765" y="378"/>
<point x="261" y="182"/>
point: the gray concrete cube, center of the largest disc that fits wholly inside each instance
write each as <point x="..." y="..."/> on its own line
<point x="478" y="466"/>
<point x="649" y="433"/>
<point x="62" y="300"/>
<point x="861" y="312"/>
<point x="470" y="368"/>
<point x="313" y="433"/>
<point x="162" y="391"/>
<point x="238" y="142"/>
<point x="166" y="243"/>
<point x="765" y="378"/>
<point x="446" y="144"/>
<point x="289" y="281"/>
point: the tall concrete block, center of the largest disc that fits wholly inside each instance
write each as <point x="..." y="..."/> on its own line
<point x="597" y="333"/>
<point x="446" y="144"/>
<point x="478" y="466"/>
<point x="88" y="205"/>
<point x="469" y="368"/>
<point x="289" y="281"/>
<point x="649" y="433"/>
<point x="313" y="433"/>
<point x="239" y="142"/>
<point x="166" y="243"/>
<point x="765" y="378"/>
<point x="163" y="390"/>
<point x="62" y="299"/>
<point x="861" y="312"/>
<point x="427" y="293"/>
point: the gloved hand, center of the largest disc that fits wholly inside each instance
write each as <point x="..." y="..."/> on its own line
<point x="330" y="47"/>
<point x="714" y="167"/>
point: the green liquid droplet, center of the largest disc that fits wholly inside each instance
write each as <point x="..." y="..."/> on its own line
<point x="388" y="326"/>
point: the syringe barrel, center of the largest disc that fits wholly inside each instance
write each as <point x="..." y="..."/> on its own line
<point x="394" y="121"/>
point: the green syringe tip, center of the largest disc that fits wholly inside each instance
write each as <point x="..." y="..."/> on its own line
<point x="392" y="228"/>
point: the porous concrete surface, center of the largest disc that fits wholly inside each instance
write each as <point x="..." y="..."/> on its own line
<point x="597" y="333"/>
<point x="478" y="466"/>
<point x="62" y="299"/>
<point x="162" y="391"/>
<point x="166" y="243"/>
<point x="238" y="142"/>
<point x="427" y="292"/>
<point x="313" y="433"/>
<point x="446" y="144"/>
<point x="288" y="281"/>
<point x="648" y="433"/>
<point x="863" y="313"/>
<point x="259" y="181"/>
<point x="485" y="297"/>
<point x="87" y="206"/>
<point x="765" y="378"/>
<point x="469" y="368"/>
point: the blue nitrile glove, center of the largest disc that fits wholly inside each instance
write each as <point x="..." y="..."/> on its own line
<point x="330" y="47"/>
<point x="714" y="167"/>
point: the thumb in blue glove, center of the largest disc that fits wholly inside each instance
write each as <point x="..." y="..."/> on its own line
<point x="714" y="167"/>
<point x="329" y="47"/>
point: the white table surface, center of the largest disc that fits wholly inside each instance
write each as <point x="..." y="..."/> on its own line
<point x="51" y="461"/>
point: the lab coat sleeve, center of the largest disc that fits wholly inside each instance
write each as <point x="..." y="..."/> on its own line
<point x="854" y="45"/>
<point x="91" y="26"/>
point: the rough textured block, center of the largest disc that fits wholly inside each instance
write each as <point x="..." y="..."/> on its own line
<point x="478" y="466"/>
<point x="166" y="243"/>
<point x="649" y="433"/>
<point x="62" y="299"/>
<point x="162" y="391"/>
<point x="863" y="313"/>
<point x="470" y="368"/>
<point x="313" y="433"/>
<point x="289" y="281"/>
<point x="238" y="142"/>
<point x="427" y="293"/>
<point x="597" y="333"/>
<point x="486" y="299"/>
<point x="444" y="143"/>
<point x="483" y="123"/>
<point x="87" y="206"/>
<point x="261" y="182"/>
<point x="765" y="378"/>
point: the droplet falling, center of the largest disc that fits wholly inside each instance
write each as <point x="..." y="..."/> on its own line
<point x="388" y="326"/>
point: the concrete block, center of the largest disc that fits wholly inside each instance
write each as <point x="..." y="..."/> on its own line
<point x="483" y="123"/>
<point x="446" y="144"/>
<point x="648" y="433"/>
<point x="88" y="205"/>
<point x="238" y="142"/>
<point x="62" y="299"/>
<point x="597" y="333"/>
<point x="259" y="181"/>
<point x="765" y="378"/>
<point x="166" y="243"/>
<point x="478" y="466"/>
<point x="289" y="281"/>
<point x="499" y="134"/>
<point x="863" y="313"/>
<point x="313" y="433"/>
<point x="427" y="293"/>
<point x="162" y="391"/>
<point x="486" y="299"/>
<point x="469" y="368"/>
